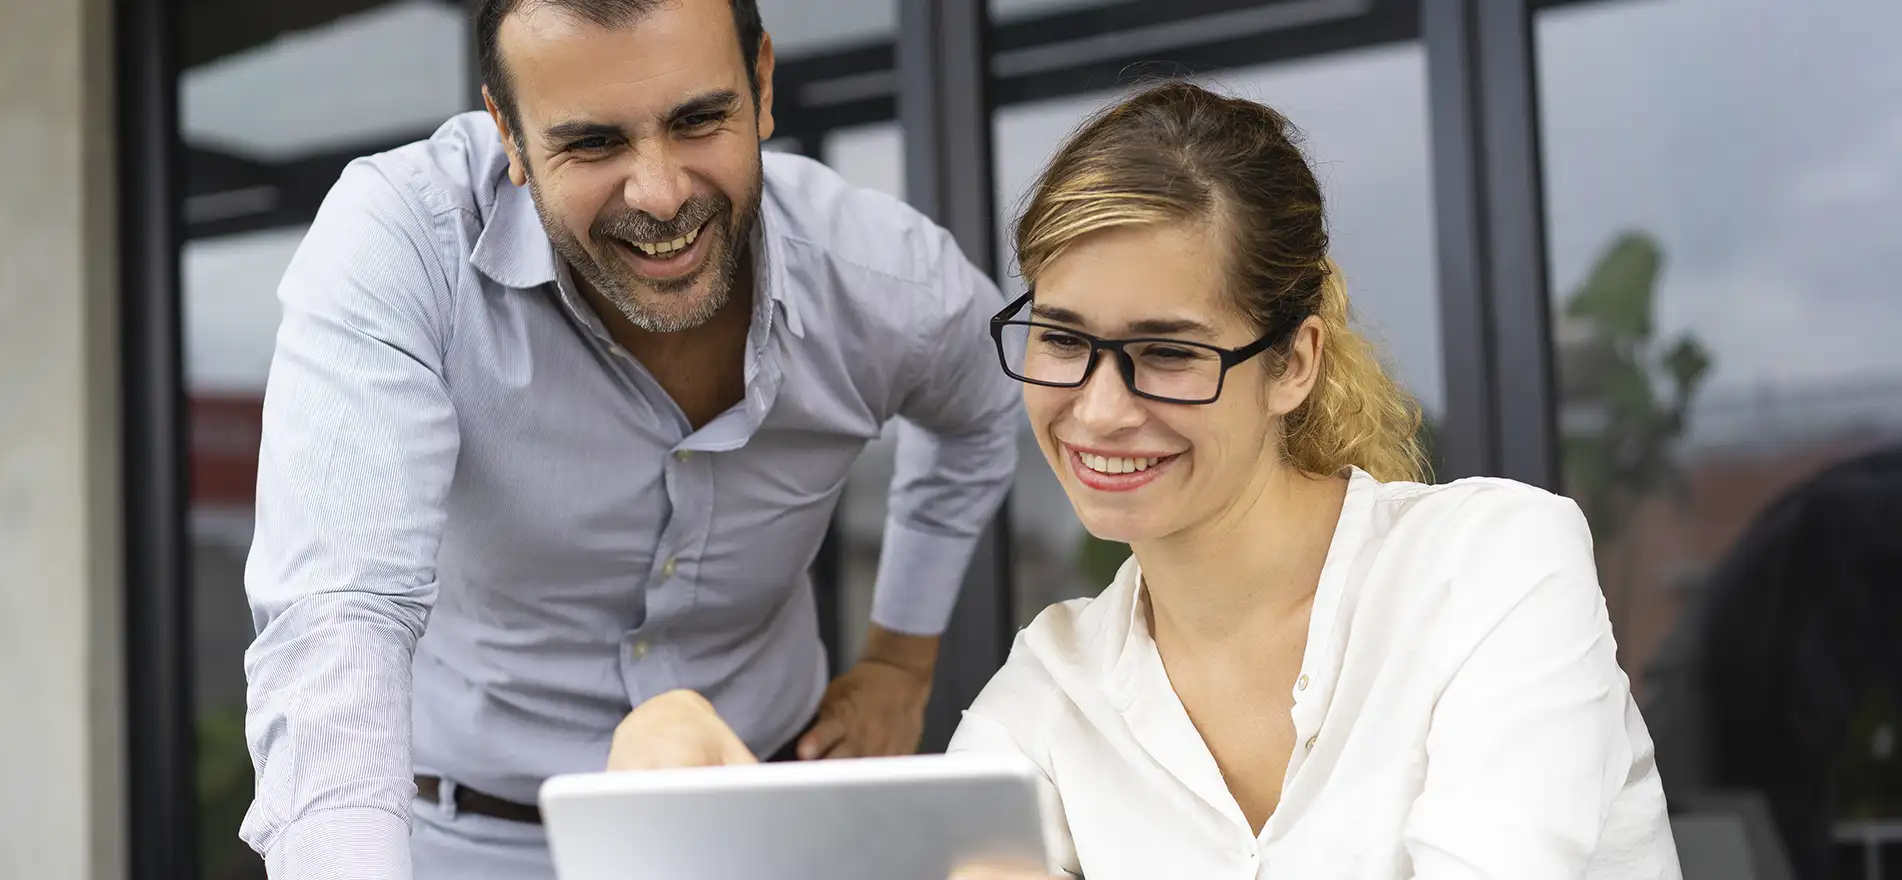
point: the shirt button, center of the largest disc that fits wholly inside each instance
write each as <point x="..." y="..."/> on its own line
<point x="1311" y="741"/>
<point x="667" y="568"/>
<point x="683" y="454"/>
<point x="1301" y="684"/>
<point x="640" y="650"/>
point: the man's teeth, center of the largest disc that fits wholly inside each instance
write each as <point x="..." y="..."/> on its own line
<point x="663" y="248"/>
<point x="1113" y="465"/>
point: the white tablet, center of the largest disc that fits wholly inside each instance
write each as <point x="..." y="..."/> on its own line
<point x="907" y="818"/>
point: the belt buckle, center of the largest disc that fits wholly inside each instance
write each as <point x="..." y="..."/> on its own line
<point x="446" y="797"/>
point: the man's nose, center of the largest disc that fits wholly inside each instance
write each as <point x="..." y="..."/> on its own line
<point x="1105" y="403"/>
<point x="656" y="184"/>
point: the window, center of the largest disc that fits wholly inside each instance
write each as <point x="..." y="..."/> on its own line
<point x="268" y="120"/>
<point x="1723" y="208"/>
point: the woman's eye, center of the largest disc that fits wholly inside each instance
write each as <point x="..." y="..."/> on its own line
<point x="1061" y="342"/>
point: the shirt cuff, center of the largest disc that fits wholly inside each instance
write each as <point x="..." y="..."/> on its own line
<point x="919" y="577"/>
<point x="347" y="843"/>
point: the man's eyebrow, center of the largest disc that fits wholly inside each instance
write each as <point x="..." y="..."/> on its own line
<point x="577" y="129"/>
<point x="721" y="101"/>
<point x="1158" y="326"/>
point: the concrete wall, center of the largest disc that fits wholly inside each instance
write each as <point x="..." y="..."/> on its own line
<point x="62" y="776"/>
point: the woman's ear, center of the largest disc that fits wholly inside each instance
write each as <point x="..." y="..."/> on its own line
<point x="1300" y="369"/>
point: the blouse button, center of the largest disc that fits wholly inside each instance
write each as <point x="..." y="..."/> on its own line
<point x="1301" y="684"/>
<point x="1312" y="740"/>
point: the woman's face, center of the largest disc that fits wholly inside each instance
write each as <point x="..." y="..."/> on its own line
<point x="1138" y="469"/>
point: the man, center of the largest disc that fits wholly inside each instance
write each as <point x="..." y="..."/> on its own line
<point x="577" y="385"/>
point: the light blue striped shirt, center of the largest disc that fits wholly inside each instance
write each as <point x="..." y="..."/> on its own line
<point x="484" y="531"/>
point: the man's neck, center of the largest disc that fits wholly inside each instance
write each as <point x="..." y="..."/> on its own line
<point x="734" y="318"/>
<point x="701" y="368"/>
<point x="1257" y="561"/>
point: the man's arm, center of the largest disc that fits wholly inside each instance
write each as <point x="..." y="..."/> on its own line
<point x="957" y="452"/>
<point x="359" y="445"/>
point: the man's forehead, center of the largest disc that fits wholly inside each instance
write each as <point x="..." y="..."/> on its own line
<point x="560" y="61"/>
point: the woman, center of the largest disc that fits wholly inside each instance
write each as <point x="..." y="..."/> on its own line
<point x="1313" y="666"/>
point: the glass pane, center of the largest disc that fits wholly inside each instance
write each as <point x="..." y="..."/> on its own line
<point x="811" y="27"/>
<point x="1006" y="11"/>
<point x="378" y="77"/>
<point x="1724" y="205"/>
<point x="1364" y="116"/>
<point x="270" y="99"/>
<point x="230" y="320"/>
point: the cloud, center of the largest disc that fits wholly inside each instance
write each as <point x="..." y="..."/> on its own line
<point x="1761" y="141"/>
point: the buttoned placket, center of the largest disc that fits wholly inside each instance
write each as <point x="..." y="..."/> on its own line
<point x="647" y="667"/>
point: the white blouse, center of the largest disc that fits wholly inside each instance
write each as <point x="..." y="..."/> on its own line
<point x="1460" y="714"/>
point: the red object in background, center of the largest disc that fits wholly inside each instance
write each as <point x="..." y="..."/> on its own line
<point x="224" y="433"/>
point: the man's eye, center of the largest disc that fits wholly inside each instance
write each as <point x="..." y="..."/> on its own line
<point x="700" y="120"/>
<point x="589" y="144"/>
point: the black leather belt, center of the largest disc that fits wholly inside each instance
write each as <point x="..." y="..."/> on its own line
<point x="468" y="800"/>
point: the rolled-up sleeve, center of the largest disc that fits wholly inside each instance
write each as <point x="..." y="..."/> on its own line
<point x="956" y="452"/>
<point x="359" y="446"/>
<point x="1528" y="746"/>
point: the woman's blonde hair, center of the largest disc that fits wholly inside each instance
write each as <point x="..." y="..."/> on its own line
<point x="1175" y="153"/>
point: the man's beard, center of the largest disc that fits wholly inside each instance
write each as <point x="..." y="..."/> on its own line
<point x="668" y="306"/>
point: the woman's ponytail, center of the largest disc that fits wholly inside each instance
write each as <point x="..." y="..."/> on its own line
<point x="1356" y="414"/>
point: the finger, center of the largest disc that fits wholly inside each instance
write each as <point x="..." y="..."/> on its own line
<point x="735" y="752"/>
<point x="728" y="748"/>
<point x="821" y="739"/>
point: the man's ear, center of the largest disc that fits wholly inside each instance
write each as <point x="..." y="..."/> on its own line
<point x="518" y="172"/>
<point x="763" y="77"/>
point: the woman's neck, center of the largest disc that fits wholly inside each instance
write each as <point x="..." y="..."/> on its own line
<point x="1260" y="559"/>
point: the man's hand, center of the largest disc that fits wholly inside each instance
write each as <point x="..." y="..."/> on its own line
<point x="877" y="707"/>
<point x="676" y="729"/>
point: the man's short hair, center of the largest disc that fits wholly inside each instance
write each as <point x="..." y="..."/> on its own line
<point x="605" y="13"/>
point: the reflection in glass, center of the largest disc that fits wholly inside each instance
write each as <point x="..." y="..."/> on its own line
<point x="350" y="84"/>
<point x="1723" y="208"/>
<point x="230" y="320"/>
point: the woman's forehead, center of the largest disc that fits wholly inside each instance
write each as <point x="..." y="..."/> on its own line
<point x="1148" y="279"/>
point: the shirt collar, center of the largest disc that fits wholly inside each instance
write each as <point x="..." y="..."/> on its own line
<point x="1134" y="643"/>
<point x="514" y="251"/>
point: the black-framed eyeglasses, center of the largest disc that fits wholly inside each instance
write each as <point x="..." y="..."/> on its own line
<point x="1156" y="368"/>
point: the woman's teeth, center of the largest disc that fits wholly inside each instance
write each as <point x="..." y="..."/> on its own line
<point x="1114" y="465"/>
<point x="663" y="248"/>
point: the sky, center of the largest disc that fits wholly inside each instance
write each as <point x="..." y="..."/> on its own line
<point x="1759" y="140"/>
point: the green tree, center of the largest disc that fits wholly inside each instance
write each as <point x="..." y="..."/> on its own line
<point x="1624" y="395"/>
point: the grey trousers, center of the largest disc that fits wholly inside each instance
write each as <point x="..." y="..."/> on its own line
<point x="446" y="846"/>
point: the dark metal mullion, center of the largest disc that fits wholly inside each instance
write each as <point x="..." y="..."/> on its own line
<point x="944" y="109"/>
<point x="163" y="808"/>
<point x="1500" y="418"/>
<point x="1524" y="388"/>
<point x="1466" y="430"/>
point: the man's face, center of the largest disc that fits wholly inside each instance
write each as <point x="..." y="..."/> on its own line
<point x="640" y="144"/>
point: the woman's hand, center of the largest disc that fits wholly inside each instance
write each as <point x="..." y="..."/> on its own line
<point x="676" y="729"/>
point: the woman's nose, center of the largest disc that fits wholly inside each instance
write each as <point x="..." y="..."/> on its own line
<point x="1105" y="403"/>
